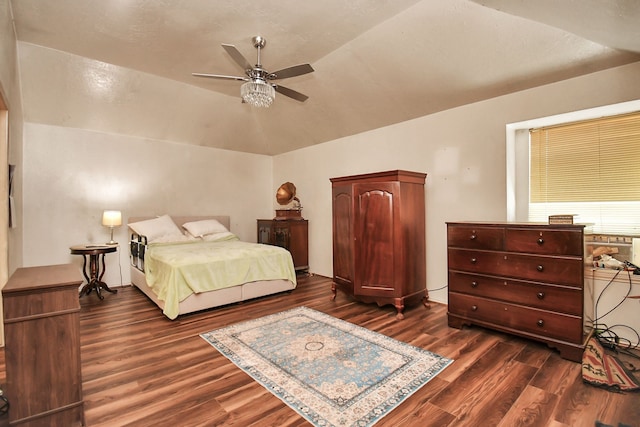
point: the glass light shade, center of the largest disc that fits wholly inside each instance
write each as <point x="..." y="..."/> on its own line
<point x="111" y="218"/>
<point x="257" y="93"/>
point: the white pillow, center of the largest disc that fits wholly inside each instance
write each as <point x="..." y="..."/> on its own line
<point x="204" y="227"/>
<point x="161" y="228"/>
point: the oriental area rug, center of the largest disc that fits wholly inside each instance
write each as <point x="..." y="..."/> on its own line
<point x="332" y="372"/>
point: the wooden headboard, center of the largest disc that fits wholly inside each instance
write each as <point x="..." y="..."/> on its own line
<point x="181" y="219"/>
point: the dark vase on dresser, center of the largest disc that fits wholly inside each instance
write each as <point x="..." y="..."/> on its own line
<point x="379" y="247"/>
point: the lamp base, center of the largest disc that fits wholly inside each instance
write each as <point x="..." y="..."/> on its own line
<point x="111" y="242"/>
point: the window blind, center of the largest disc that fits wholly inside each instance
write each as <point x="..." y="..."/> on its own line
<point x="589" y="168"/>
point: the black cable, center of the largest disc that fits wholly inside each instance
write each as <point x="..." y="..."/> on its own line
<point x="611" y="339"/>
<point x="625" y="341"/>
<point x="602" y="293"/>
<point x="604" y="333"/>
<point x="4" y="403"/>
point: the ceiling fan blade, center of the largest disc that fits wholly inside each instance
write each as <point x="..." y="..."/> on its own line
<point x="219" y="76"/>
<point x="296" y="70"/>
<point x="237" y="56"/>
<point x="290" y="93"/>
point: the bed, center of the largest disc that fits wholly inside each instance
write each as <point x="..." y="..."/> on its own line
<point x="205" y="266"/>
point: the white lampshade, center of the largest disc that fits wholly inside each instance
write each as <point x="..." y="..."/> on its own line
<point x="111" y="218"/>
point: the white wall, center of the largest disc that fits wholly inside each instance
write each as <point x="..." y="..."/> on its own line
<point x="11" y="146"/>
<point x="462" y="150"/>
<point x="10" y="88"/>
<point x="72" y="175"/>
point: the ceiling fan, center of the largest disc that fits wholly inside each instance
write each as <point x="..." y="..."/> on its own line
<point x="258" y="89"/>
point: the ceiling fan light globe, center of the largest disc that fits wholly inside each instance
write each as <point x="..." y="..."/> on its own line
<point x="257" y="93"/>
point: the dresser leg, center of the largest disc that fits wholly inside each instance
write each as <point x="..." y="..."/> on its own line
<point x="425" y="302"/>
<point x="400" y="307"/>
<point x="569" y="352"/>
<point x="455" y="322"/>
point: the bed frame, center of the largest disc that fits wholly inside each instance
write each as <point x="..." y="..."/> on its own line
<point x="204" y="300"/>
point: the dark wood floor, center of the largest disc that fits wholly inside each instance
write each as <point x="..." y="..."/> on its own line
<point x="141" y="369"/>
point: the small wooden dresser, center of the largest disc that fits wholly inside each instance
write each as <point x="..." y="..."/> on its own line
<point x="525" y="279"/>
<point x="291" y="234"/>
<point x="42" y="346"/>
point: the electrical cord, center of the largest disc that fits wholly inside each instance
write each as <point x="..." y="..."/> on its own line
<point x="611" y="339"/>
<point x="4" y="403"/>
<point x="605" y="288"/>
<point x="604" y="333"/>
<point x="119" y="265"/>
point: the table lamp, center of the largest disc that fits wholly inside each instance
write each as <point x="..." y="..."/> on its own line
<point x="112" y="219"/>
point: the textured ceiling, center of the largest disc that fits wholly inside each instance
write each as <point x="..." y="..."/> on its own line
<point x="124" y="66"/>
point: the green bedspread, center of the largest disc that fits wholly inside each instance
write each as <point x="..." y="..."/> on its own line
<point x="176" y="270"/>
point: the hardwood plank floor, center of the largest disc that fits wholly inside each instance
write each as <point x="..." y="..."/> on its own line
<point x="141" y="369"/>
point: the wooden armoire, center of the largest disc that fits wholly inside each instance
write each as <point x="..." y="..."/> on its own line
<point x="379" y="246"/>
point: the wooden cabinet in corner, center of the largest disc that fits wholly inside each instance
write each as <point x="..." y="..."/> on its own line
<point x="289" y="233"/>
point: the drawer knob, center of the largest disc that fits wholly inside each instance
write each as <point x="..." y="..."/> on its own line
<point x="540" y="323"/>
<point x="540" y="268"/>
<point x="473" y="237"/>
<point x="474" y="260"/>
<point x="540" y="241"/>
<point x="474" y="284"/>
<point x="474" y="308"/>
<point x="540" y="295"/>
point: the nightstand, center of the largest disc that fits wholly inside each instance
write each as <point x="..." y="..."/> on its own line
<point x="291" y="234"/>
<point x="93" y="274"/>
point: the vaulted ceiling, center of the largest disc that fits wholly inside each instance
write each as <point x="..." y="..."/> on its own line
<point x="124" y="66"/>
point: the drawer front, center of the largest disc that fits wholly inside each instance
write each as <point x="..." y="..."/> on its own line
<point x="539" y="322"/>
<point x="475" y="237"/>
<point x="546" y="297"/>
<point x="562" y="270"/>
<point x="544" y="241"/>
<point x="48" y="302"/>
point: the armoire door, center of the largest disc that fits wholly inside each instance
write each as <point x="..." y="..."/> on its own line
<point x="375" y="220"/>
<point x="343" y="236"/>
<point x="299" y="243"/>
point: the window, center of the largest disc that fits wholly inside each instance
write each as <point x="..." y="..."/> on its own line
<point x="589" y="168"/>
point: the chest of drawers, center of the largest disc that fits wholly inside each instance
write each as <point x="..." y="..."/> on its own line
<point x="524" y="279"/>
<point x="42" y="348"/>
